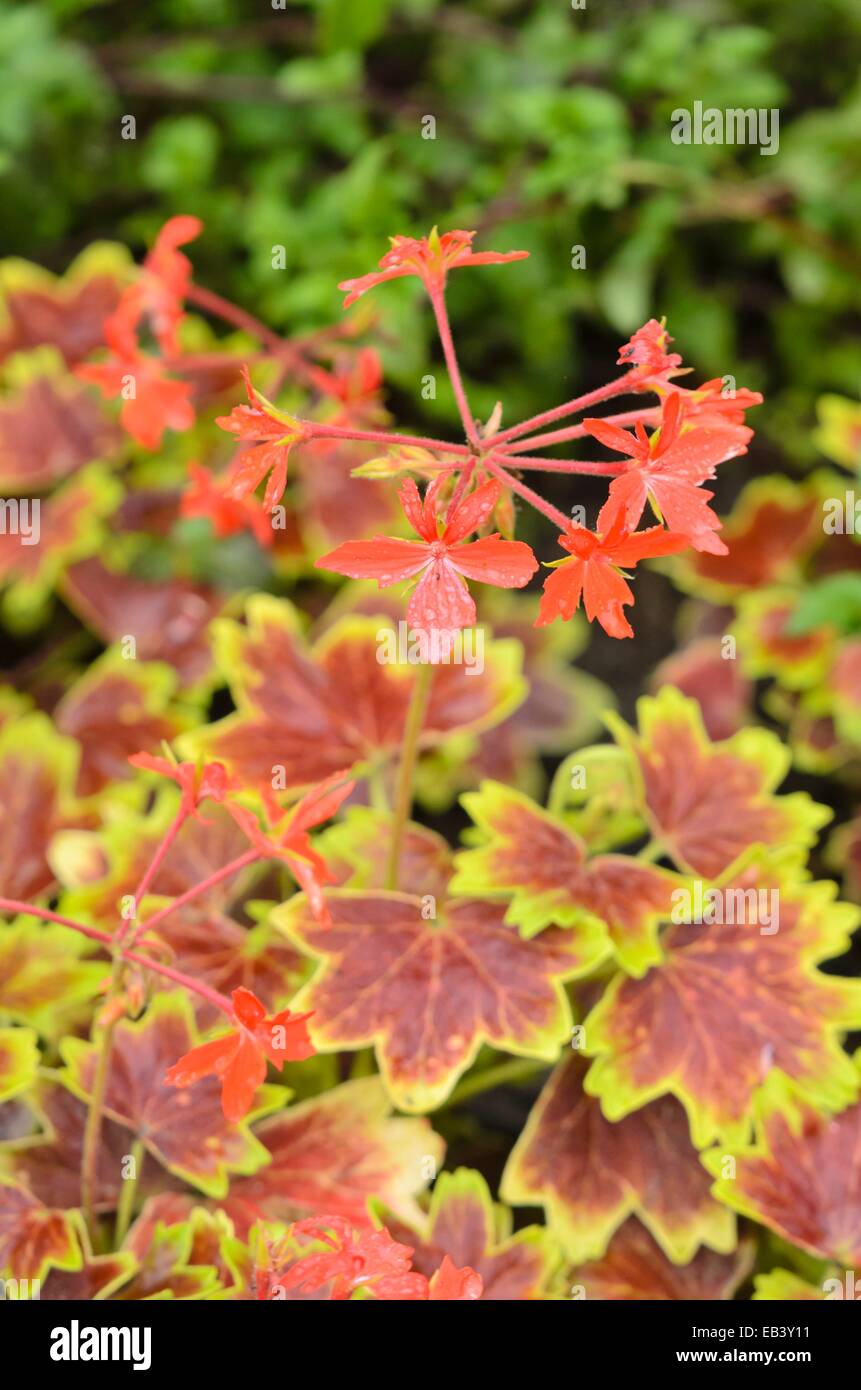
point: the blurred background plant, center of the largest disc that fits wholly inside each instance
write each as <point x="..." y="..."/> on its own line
<point x="301" y="133"/>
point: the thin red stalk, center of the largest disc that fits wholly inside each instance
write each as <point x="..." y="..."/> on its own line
<point x="231" y="313"/>
<point x="652" y="416"/>
<point x="322" y="431"/>
<point x="437" y="299"/>
<point x="249" y="857"/>
<point x="150" y="873"/>
<point x="463" y="483"/>
<point x="620" y="387"/>
<point x="546" y="508"/>
<point x="563" y="465"/>
<point x="45" y="915"/>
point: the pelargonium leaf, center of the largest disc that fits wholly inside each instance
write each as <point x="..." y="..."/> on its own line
<point x="169" y="621"/>
<point x="117" y="708"/>
<point x="19" y="1060"/>
<point x="799" y="1177"/>
<point x="304" y="713"/>
<point x="49" y="430"/>
<point x="71" y="527"/>
<point x="67" y="312"/>
<point x="730" y="1002"/>
<point x="429" y="990"/>
<point x="45" y="972"/>
<point x="356" y="851"/>
<point x="783" y="1286"/>
<point x="37" y="775"/>
<point x="591" y="1175"/>
<point x="98" y="1277"/>
<point x="333" y="1154"/>
<point x="33" y="1238"/>
<point x="464" y="1223"/>
<point x="610" y="901"/>
<point x="185" y="1130"/>
<point x="707" y="803"/>
<point x="635" y="1268"/>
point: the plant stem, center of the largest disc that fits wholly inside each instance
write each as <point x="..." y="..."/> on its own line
<point x="620" y="387"/>
<point x="128" y="1193"/>
<point x="583" y="466"/>
<point x="546" y="508"/>
<point x="249" y="857"/>
<point x="409" y="754"/>
<point x="178" y="978"/>
<point x="515" y="1069"/>
<point x="418" y="441"/>
<point x="93" y="1126"/>
<point x="437" y="299"/>
<point x="134" y="928"/>
<point x="652" y="416"/>
<point x="231" y="313"/>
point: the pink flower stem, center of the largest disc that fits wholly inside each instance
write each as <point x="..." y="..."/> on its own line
<point x="133" y="929"/>
<point x="213" y="303"/>
<point x="437" y="299"/>
<point x="249" y="857"/>
<point x="546" y="508"/>
<point x="563" y="465"/>
<point x="45" y="915"/>
<point x="463" y="483"/>
<point x="320" y="431"/>
<point x="619" y="387"/>
<point x="652" y="416"/>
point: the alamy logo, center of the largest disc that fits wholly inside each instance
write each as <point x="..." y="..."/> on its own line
<point x="434" y="646"/>
<point x="76" y="1343"/>
<point x="734" y="126"/>
<point x="21" y="516"/>
<point x="710" y="907"/>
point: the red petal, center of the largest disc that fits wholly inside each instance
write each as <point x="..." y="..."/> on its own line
<point x="385" y="558"/>
<point x="508" y="564"/>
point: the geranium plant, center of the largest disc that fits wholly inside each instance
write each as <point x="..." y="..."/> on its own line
<point x="239" y="976"/>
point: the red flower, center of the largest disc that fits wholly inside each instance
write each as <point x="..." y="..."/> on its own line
<point x="152" y="401"/>
<point x="291" y="841"/>
<point x="353" y="382"/>
<point x="646" y="354"/>
<point x="455" y="1285"/>
<point x="430" y="258"/>
<point x="239" y="1058"/>
<point x="274" y="432"/>
<point x="668" y="468"/>
<point x="164" y="280"/>
<point x="595" y="571"/>
<point x="709" y="403"/>
<point x="196" y="782"/>
<point x="441" y="601"/>
<point x="210" y="497"/>
<point x="354" y="1260"/>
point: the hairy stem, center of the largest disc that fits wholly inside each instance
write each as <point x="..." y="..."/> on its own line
<point x="45" y="915"/>
<point x="620" y="387"/>
<point x="231" y="313"/>
<point x="133" y="929"/>
<point x="546" y="508"/>
<point x="652" y="416"/>
<point x="233" y="867"/>
<point x="418" y="441"/>
<point x="437" y="299"/>
<point x="409" y="755"/>
<point x="583" y="466"/>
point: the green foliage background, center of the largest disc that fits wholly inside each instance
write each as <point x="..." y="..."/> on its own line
<point x="301" y="126"/>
